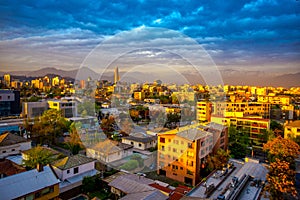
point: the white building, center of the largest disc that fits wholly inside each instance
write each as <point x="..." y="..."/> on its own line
<point x="141" y="141"/>
<point x="11" y="144"/>
<point x="71" y="171"/>
<point x="109" y="151"/>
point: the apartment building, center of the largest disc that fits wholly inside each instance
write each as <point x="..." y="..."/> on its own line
<point x="182" y="151"/>
<point x="241" y="109"/>
<point x="255" y="127"/>
<point x="67" y="106"/>
<point x="204" y="109"/>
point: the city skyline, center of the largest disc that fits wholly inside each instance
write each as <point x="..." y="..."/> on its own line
<point x="259" y="38"/>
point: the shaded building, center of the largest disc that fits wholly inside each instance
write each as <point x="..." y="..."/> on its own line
<point x="9" y="102"/>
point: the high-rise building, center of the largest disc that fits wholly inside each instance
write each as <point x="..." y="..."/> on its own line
<point x="7" y="80"/>
<point x="116" y="75"/>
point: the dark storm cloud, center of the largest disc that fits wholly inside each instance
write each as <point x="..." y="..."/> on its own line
<point x="233" y="32"/>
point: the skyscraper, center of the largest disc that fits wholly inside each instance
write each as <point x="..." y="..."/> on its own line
<point x="7" y="80"/>
<point x="116" y="75"/>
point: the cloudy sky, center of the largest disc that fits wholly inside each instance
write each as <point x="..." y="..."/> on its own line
<point x="254" y="35"/>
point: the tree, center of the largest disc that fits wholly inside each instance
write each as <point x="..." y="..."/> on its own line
<point x="238" y="143"/>
<point x="281" y="177"/>
<point x="86" y="108"/>
<point x="37" y="155"/>
<point x="277" y="128"/>
<point x="283" y="149"/>
<point x="219" y="160"/>
<point x="49" y="126"/>
<point x="75" y="143"/>
<point x="107" y="125"/>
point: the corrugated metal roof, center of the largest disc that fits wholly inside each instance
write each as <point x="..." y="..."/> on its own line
<point x="149" y="195"/>
<point x="129" y="186"/>
<point x="26" y="182"/>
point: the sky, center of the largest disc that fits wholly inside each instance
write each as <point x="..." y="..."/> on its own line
<point x="242" y="36"/>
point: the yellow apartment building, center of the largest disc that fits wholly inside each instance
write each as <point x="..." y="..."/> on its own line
<point x="204" y="109"/>
<point x="255" y="127"/>
<point x="292" y="129"/>
<point x="246" y="108"/>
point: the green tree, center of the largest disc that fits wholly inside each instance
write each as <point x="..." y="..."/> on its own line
<point x="49" y="126"/>
<point x="75" y="144"/>
<point x="37" y="155"/>
<point x="86" y="108"/>
<point x="219" y="160"/>
<point x="238" y="143"/>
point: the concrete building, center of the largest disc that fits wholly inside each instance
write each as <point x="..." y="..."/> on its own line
<point x="292" y="129"/>
<point x="34" y="109"/>
<point x="204" y="109"/>
<point x="181" y="153"/>
<point x="67" y="106"/>
<point x="9" y="102"/>
<point x="11" y="144"/>
<point x="7" y="80"/>
<point x="229" y="109"/>
<point x="116" y="75"/>
<point x="254" y="127"/>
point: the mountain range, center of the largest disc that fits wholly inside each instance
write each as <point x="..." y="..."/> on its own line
<point x="231" y="77"/>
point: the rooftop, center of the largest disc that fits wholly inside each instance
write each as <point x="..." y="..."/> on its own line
<point x="26" y="182"/>
<point x="143" y="139"/>
<point x="72" y="161"/>
<point x="110" y="147"/>
<point x="193" y="134"/>
<point x="9" y="168"/>
<point x="294" y="123"/>
<point x="7" y="139"/>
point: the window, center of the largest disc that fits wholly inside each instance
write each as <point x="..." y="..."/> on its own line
<point x="163" y="148"/>
<point x="174" y="150"/>
<point x="3" y="151"/>
<point x="75" y="170"/>
<point x="169" y="140"/>
<point x="55" y="104"/>
<point x="181" y="168"/>
<point x="131" y="143"/>
<point x="29" y="197"/>
<point x="68" y="171"/>
<point x="169" y="148"/>
<point x="162" y="140"/>
<point x="8" y="97"/>
<point x="13" y="150"/>
<point x="140" y="144"/>
<point x="190" y="145"/>
<point x="182" y="142"/>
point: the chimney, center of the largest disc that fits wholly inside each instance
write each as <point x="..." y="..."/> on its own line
<point x="40" y="167"/>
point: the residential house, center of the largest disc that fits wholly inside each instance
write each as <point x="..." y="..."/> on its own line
<point x="11" y="144"/>
<point x="40" y="184"/>
<point x="108" y="151"/>
<point x="71" y="171"/>
<point x="9" y="168"/>
<point x="140" y="141"/>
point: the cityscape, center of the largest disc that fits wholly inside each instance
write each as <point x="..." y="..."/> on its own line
<point x="150" y="100"/>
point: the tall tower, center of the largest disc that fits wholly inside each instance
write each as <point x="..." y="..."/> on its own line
<point x="116" y="75"/>
<point x="7" y="80"/>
